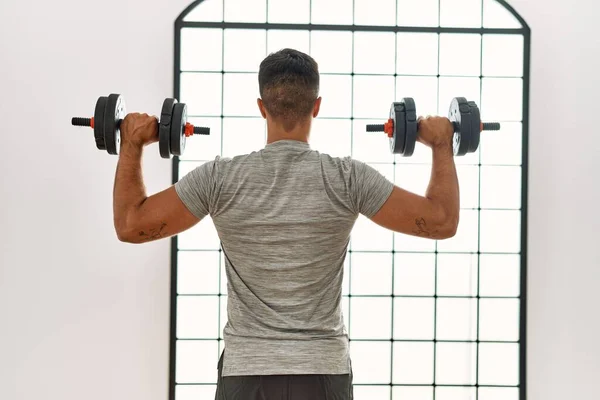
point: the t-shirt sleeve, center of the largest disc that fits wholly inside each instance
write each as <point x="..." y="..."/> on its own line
<point x="197" y="189"/>
<point x="369" y="189"/>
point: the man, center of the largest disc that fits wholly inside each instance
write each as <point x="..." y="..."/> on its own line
<point x="284" y="216"/>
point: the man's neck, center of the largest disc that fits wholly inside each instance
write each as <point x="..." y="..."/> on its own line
<point x="275" y="132"/>
<point x="272" y="137"/>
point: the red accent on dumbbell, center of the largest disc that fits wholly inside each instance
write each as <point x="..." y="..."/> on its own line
<point x="388" y="128"/>
<point x="189" y="129"/>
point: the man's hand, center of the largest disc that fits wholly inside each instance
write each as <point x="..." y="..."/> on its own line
<point x="139" y="130"/>
<point x="435" y="131"/>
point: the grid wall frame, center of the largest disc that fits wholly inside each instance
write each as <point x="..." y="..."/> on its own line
<point x="450" y="319"/>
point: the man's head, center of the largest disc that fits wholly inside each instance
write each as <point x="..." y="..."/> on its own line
<point x="289" y="87"/>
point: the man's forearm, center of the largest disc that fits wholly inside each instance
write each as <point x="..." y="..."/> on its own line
<point x="443" y="188"/>
<point x="129" y="190"/>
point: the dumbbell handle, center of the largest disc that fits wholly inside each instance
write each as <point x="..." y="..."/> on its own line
<point x="189" y="129"/>
<point x="375" y="127"/>
<point x="88" y="122"/>
<point x="490" y="126"/>
<point x="388" y="128"/>
<point x="485" y="126"/>
<point x="78" y="121"/>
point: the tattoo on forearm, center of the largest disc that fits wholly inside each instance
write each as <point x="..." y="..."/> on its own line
<point x="421" y="229"/>
<point x="154" y="233"/>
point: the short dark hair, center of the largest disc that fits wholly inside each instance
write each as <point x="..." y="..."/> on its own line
<point x="288" y="81"/>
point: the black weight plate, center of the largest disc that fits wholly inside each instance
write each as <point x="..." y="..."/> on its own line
<point x="99" y="122"/>
<point x="115" y="112"/>
<point x="398" y="115"/>
<point x="411" y="127"/>
<point x="466" y="119"/>
<point x="177" y="129"/>
<point x="459" y="113"/>
<point x="475" y="127"/>
<point x="164" y="128"/>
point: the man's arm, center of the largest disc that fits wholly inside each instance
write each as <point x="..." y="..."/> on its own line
<point x="436" y="215"/>
<point x="137" y="217"/>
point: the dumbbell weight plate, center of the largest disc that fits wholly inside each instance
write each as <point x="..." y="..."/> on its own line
<point x="397" y="115"/>
<point x="460" y="114"/>
<point x="164" y="128"/>
<point x="115" y="112"/>
<point x="475" y="127"/>
<point x="178" y="137"/>
<point x="99" y="122"/>
<point x="411" y="127"/>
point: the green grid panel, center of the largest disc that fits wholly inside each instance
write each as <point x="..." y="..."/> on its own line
<point x="427" y="320"/>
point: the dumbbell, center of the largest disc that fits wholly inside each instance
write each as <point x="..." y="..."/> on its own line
<point x="173" y="129"/>
<point x="402" y="126"/>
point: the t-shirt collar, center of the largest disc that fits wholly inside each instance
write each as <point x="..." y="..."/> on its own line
<point x="288" y="144"/>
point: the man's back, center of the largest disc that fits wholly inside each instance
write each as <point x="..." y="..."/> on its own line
<point x="284" y="216"/>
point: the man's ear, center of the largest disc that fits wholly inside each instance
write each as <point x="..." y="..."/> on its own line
<point x="317" y="107"/>
<point x="261" y="107"/>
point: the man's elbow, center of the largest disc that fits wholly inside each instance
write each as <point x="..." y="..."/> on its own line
<point x="126" y="236"/>
<point x="127" y="233"/>
<point x="448" y="228"/>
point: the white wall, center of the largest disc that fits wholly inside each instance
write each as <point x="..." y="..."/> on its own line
<point x="84" y="316"/>
<point x="564" y="195"/>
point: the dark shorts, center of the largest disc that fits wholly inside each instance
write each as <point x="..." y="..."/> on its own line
<point x="283" y="387"/>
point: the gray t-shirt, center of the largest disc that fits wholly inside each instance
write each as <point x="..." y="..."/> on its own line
<point x="284" y="216"/>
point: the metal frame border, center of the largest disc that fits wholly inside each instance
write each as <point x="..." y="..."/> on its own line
<point x="525" y="31"/>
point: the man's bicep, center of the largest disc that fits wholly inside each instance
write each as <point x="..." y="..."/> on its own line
<point x="411" y="214"/>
